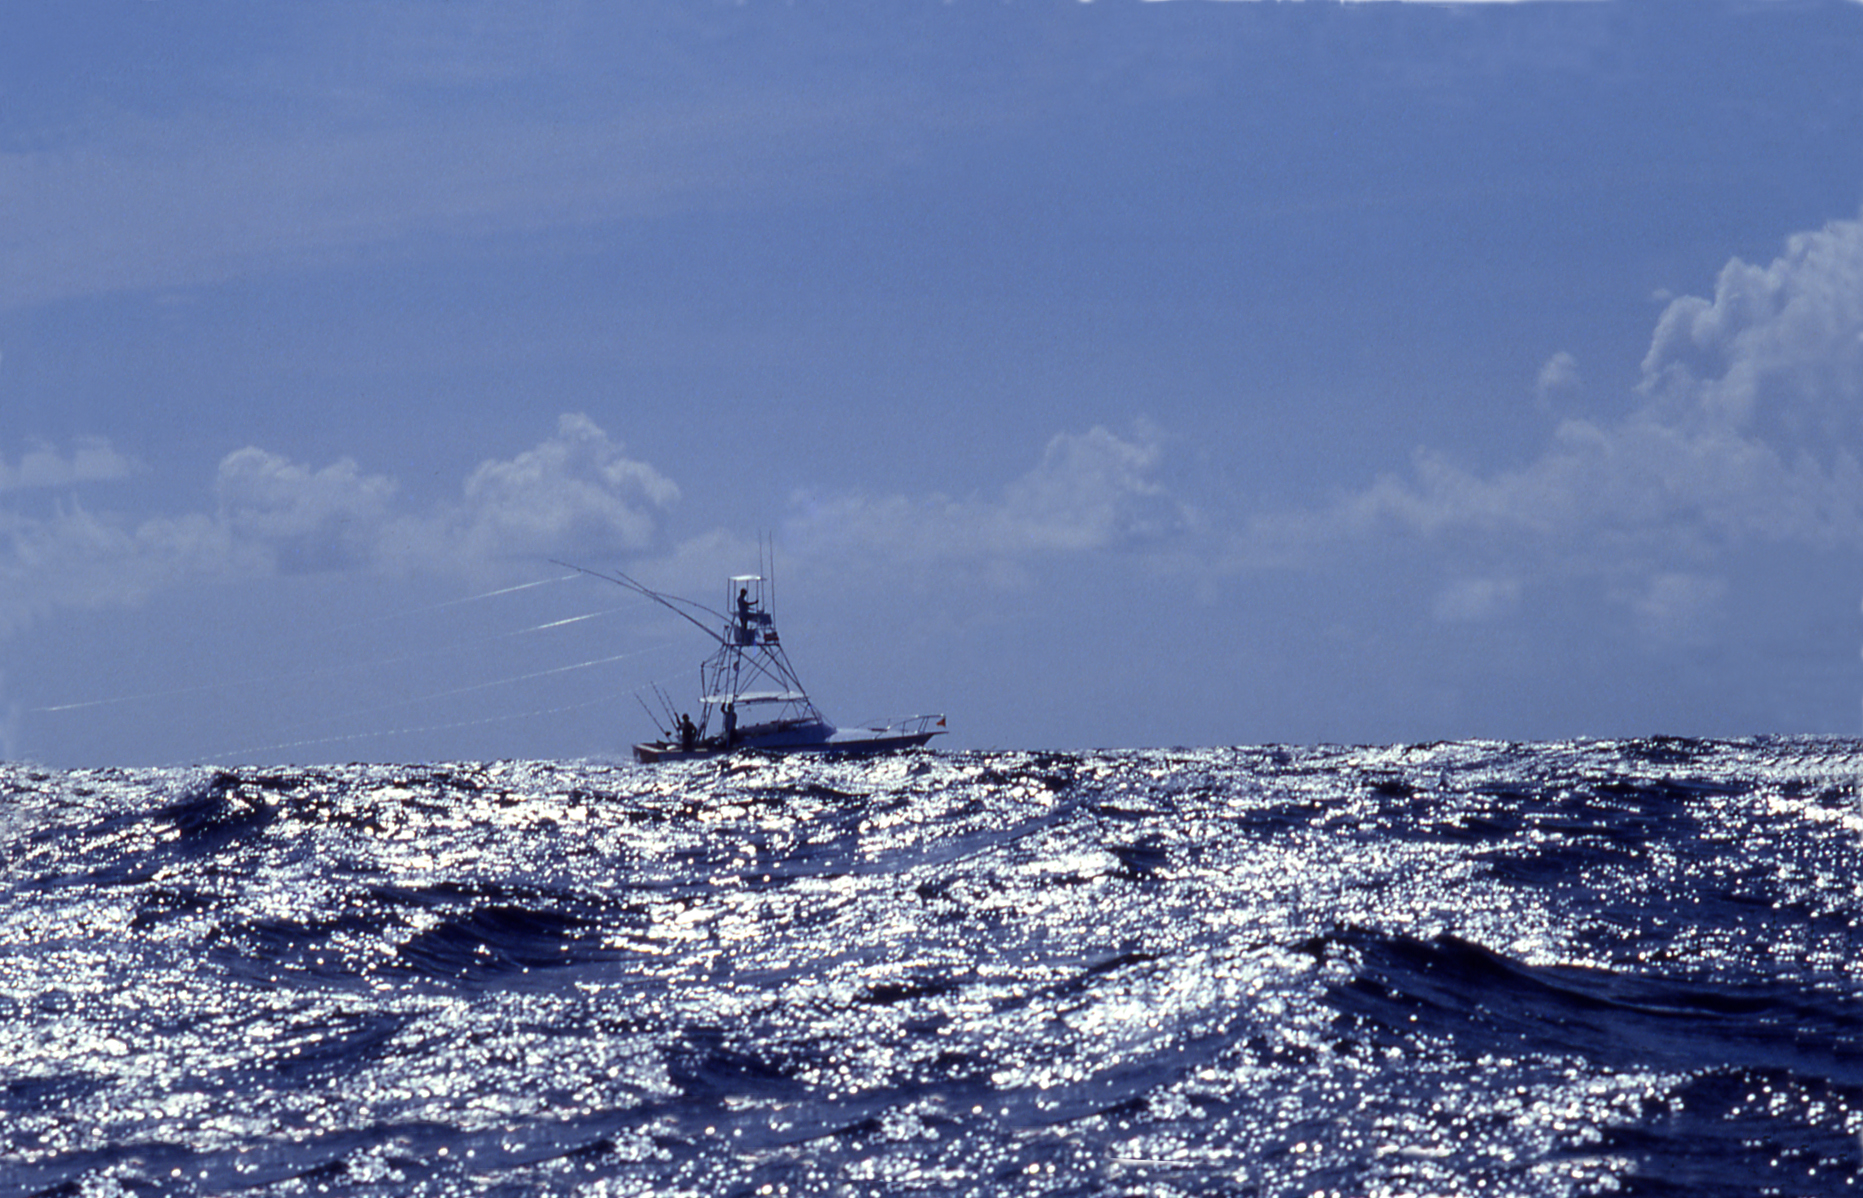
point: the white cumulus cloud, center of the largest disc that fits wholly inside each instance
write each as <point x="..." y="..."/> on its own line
<point x="310" y="520"/>
<point x="1745" y="429"/>
<point x="76" y="558"/>
<point x="1090" y="491"/>
<point x="90" y="460"/>
<point x="577" y="495"/>
<point x="1557" y="377"/>
<point x="1470" y="600"/>
<point x="574" y="494"/>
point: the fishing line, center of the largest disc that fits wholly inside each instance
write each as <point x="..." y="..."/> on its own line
<point x="325" y="671"/>
<point x="415" y="611"/>
<point x="327" y="740"/>
<point x="479" y="686"/>
<point x="381" y="662"/>
<point x="559" y="623"/>
<point x="441" y="695"/>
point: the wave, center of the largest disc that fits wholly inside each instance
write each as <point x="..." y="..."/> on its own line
<point x="1455" y="968"/>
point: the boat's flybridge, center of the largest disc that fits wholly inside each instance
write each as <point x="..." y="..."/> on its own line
<point x="750" y="697"/>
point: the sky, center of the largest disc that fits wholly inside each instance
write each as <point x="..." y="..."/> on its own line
<point x="1115" y="374"/>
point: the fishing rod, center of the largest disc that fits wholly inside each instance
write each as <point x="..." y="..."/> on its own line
<point x="649" y="711"/>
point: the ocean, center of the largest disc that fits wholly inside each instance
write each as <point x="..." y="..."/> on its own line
<point x="1594" y="967"/>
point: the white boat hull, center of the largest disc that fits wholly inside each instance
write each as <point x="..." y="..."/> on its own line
<point x="812" y="738"/>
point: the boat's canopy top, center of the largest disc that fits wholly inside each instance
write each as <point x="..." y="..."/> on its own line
<point x="742" y="578"/>
<point x="758" y="697"/>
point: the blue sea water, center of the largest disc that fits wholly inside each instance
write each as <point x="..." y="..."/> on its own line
<point x="1623" y="967"/>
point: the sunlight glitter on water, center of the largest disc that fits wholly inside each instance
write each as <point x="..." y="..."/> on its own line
<point x="1291" y="970"/>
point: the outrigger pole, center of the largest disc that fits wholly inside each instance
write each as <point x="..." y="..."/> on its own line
<point x="666" y="601"/>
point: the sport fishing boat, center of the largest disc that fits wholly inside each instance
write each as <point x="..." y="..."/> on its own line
<point x="749" y="695"/>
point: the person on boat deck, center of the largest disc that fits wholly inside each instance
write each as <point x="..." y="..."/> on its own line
<point x="730" y="731"/>
<point x="743" y="606"/>
<point x="688" y="735"/>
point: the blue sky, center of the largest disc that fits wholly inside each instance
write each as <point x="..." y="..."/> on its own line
<point x="1105" y="374"/>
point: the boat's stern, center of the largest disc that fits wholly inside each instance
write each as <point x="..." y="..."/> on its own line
<point x="655" y="751"/>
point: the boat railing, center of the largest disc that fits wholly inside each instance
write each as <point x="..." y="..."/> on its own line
<point x="912" y="725"/>
<point x="750" y="627"/>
